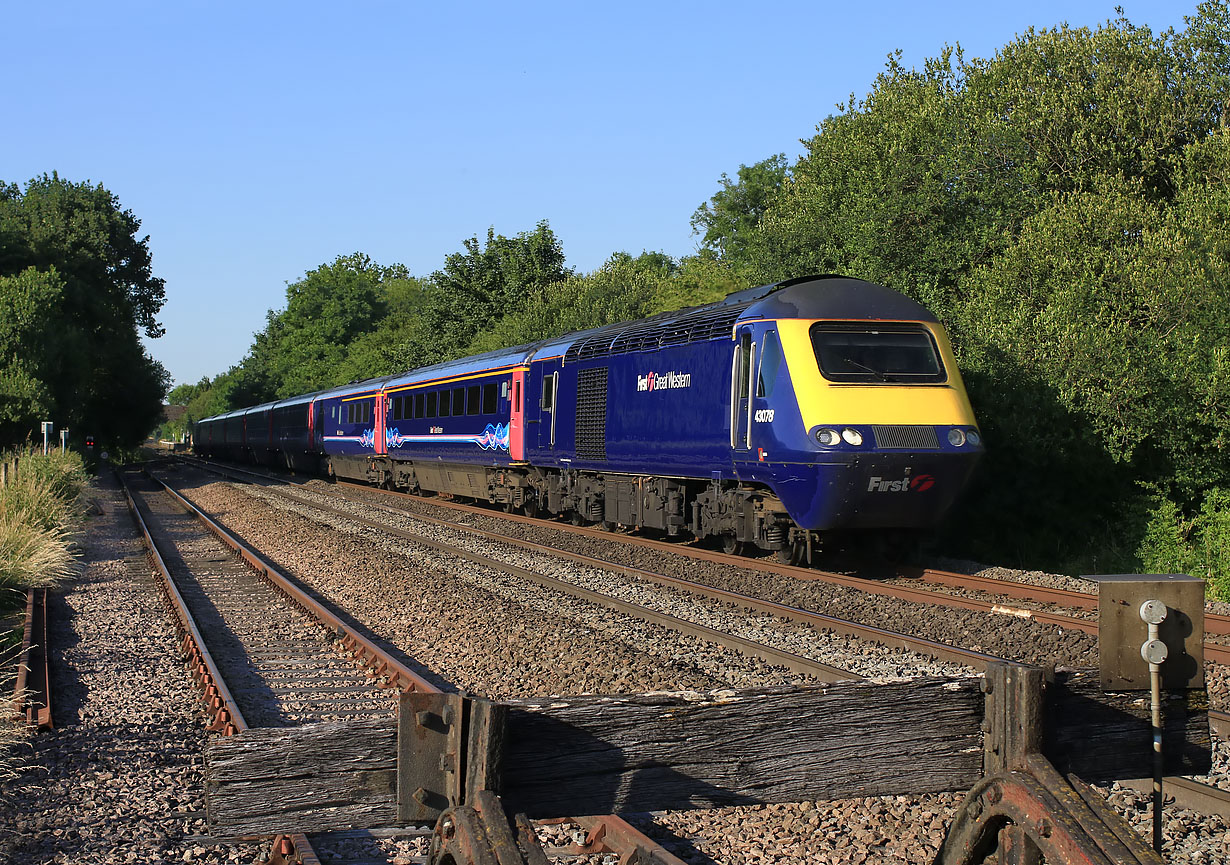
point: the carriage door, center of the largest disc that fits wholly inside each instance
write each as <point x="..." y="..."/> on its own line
<point x="548" y="403"/>
<point x="742" y="369"/>
<point x="379" y="443"/>
<point x="516" y="415"/>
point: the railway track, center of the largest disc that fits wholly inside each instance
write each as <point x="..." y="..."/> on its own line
<point x="767" y="653"/>
<point x="266" y="672"/>
<point x="255" y="675"/>
<point x="1215" y="624"/>
<point x="1192" y="793"/>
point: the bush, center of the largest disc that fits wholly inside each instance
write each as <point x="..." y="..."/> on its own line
<point x="40" y="514"/>
<point x="1199" y="545"/>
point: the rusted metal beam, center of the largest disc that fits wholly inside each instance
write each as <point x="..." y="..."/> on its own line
<point x="613" y="834"/>
<point x="225" y="716"/>
<point x="364" y="650"/>
<point x="227" y="719"/>
<point x="32" y="690"/>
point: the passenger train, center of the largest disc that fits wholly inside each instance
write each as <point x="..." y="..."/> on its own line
<point x="768" y="418"/>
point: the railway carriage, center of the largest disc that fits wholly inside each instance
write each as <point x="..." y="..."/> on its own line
<point x="776" y="414"/>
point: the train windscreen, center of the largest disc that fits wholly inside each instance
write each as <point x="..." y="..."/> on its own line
<point x="879" y="353"/>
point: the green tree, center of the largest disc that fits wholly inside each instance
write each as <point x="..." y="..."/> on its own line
<point x="30" y="356"/>
<point x="305" y="346"/>
<point x="90" y="372"/>
<point x="727" y="219"/>
<point x="477" y="287"/>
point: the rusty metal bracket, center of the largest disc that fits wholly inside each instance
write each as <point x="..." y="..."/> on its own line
<point x="429" y="749"/>
<point x="481" y="834"/>
<point x="448" y="749"/>
<point x="1023" y="807"/>
<point x="613" y="834"/>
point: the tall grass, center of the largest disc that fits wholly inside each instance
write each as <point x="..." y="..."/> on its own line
<point x="40" y="515"/>
<point x="41" y="512"/>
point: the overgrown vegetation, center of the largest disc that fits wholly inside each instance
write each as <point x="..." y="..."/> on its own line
<point x="1062" y="206"/>
<point x="41" y="511"/>
<point x="76" y="290"/>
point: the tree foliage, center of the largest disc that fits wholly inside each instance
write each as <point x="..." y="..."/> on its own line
<point x="1062" y="206"/>
<point x="727" y="219"/>
<point x="76" y="288"/>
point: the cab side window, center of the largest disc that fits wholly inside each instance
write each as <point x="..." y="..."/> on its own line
<point x="770" y="364"/>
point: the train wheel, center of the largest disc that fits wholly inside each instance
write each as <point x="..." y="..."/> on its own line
<point x="530" y="507"/>
<point x="792" y="554"/>
<point x="732" y="546"/>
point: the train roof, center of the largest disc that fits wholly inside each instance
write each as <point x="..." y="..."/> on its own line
<point x="499" y="359"/>
<point x="832" y="297"/>
<point x="366" y="385"/>
<point x="818" y="297"/>
<point x="825" y="296"/>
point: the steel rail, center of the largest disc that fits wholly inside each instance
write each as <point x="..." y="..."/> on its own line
<point x="226" y="716"/>
<point x="768" y="654"/>
<point x="381" y="662"/>
<point x="32" y="690"/>
<point x="1214" y="623"/>
<point x="228" y="719"/>
<point x="1214" y="652"/>
<point x="1218" y="720"/>
<point x="893" y="639"/>
<point x="607" y="833"/>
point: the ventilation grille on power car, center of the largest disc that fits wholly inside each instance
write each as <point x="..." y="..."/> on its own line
<point x="906" y="437"/>
<point x="591" y="414"/>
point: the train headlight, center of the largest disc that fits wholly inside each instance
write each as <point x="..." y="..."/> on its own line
<point x="852" y="436"/>
<point x="828" y="437"/>
<point x="956" y="437"/>
<point x="973" y="437"/>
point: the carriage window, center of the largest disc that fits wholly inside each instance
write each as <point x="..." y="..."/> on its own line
<point x="884" y="353"/>
<point x="419" y="405"/>
<point x="489" y="398"/>
<point x="431" y="404"/>
<point x="770" y="363"/>
<point x="745" y="361"/>
<point x="472" y="401"/>
<point x="444" y="403"/>
<point x="548" y="392"/>
<point x="459" y="401"/>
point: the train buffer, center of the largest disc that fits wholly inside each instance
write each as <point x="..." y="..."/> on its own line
<point x="1024" y="741"/>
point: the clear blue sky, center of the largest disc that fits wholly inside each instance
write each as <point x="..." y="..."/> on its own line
<point x="256" y="141"/>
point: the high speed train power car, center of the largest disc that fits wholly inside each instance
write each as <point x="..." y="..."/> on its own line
<point x="779" y="413"/>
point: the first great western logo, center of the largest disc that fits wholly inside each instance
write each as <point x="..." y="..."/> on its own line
<point x="653" y="381"/>
<point x="916" y="484"/>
